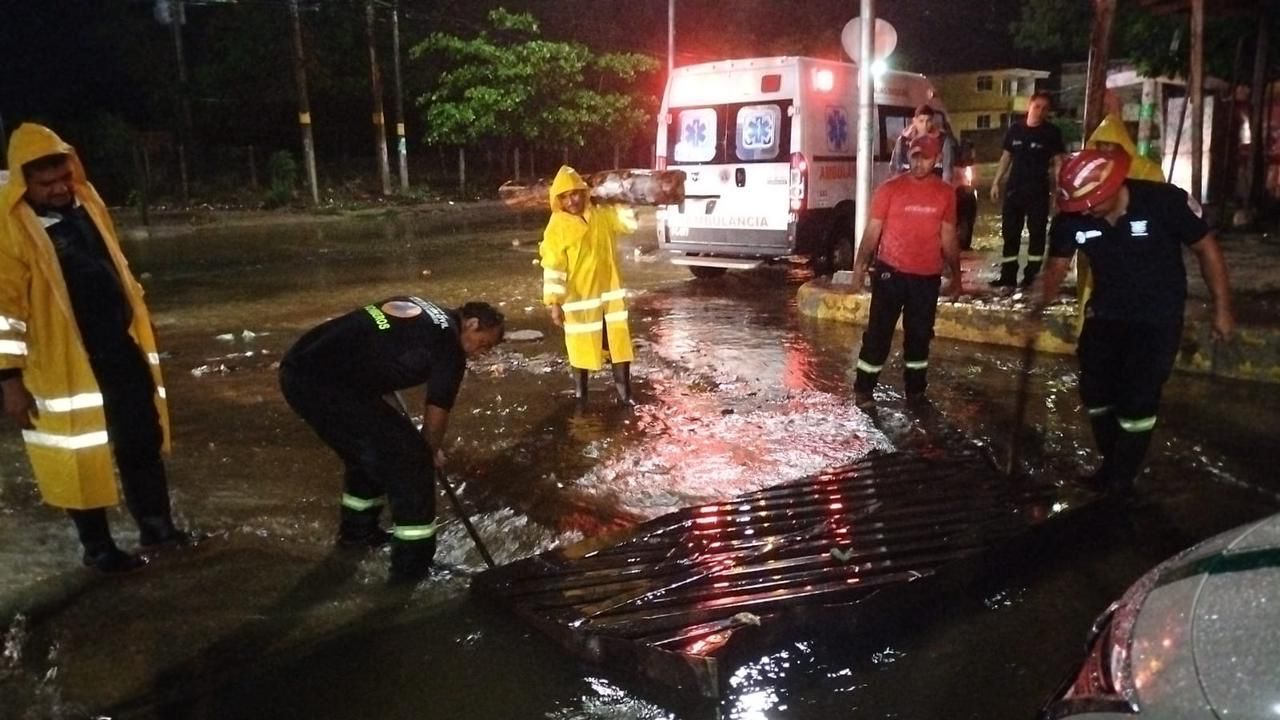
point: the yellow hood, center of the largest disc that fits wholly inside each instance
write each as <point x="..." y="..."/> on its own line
<point x="32" y="142"/>
<point x="567" y="179"/>
<point x="1112" y="130"/>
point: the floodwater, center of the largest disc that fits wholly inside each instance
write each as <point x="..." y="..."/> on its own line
<point x="737" y="392"/>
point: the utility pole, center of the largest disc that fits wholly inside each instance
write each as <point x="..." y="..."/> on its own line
<point x="1104" y="13"/>
<point x="671" y="36"/>
<point x="402" y="145"/>
<point x="176" y="15"/>
<point x="1258" y="98"/>
<point x="304" y="103"/>
<point x="1197" y="98"/>
<point x="379" y="122"/>
<point x="866" y="117"/>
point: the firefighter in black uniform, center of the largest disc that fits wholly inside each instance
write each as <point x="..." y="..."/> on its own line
<point x="1133" y="232"/>
<point x="337" y="377"/>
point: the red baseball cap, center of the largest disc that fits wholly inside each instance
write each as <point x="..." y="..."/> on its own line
<point x="927" y="145"/>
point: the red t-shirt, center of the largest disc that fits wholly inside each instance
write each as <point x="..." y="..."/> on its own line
<point x="913" y="212"/>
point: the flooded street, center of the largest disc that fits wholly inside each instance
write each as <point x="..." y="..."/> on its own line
<point x="737" y="392"/>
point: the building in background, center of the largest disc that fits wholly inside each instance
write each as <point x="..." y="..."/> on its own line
<point x="982" y="104"/>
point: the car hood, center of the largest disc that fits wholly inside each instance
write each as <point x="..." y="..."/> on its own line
<point x="1236" y="623"/>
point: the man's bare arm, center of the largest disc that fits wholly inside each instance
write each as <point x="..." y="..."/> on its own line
<point x="1002" y="170"/>
<point x="866" y="251"/>
<point x="1213" y="268"/>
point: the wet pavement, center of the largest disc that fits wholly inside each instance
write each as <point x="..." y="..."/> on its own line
<point x="738" y="391"/>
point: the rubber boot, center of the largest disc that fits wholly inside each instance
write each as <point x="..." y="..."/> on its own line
<point x="411" y="560"/>
<point x="359" y="529"/>
<point x="1105" y="432"/>
<point x="100" y="551"/>
<point x="580" y="377"/>
<point x="1125" y="462"/>
<point x="622" y="382"/>
<point x="159" y="533"/>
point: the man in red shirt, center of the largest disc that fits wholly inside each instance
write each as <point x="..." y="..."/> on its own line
<point x="910" y="236"/>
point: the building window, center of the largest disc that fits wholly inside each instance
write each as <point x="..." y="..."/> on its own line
<point x="1007" y="87"/>
<point x="984" y="83"/>
<point x="984" y="122"/>
<point x="1006" y="119"/>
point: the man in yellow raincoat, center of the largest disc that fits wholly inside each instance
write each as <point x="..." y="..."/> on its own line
<point x="79" y="371"/>
<point x="1111" y="135"/>
<point x="581" y="285"/>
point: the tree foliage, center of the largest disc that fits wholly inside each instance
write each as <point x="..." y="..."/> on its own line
<point x="508" y="83"/>
<point x="1157" y="44"/>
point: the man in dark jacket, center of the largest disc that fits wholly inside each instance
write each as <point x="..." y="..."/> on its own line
<point x="338" y="377"/>
<point x="1133" y="232"/>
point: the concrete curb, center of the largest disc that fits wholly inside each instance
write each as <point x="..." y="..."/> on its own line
<point x="1254" y="355"/>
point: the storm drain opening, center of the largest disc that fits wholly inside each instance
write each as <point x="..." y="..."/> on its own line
<point x="671" y="601"/>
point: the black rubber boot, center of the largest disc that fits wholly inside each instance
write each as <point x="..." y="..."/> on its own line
<point x="622" y="382"/>
<point x="580" y="385"/>
<point x="411" y="560"/>
<point x="359" y="529"/>
<point x="159" y="533"/>
<point x="1125" y="462"/>
<point x="100" y="551"/>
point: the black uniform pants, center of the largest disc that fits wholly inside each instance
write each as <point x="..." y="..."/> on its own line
<point x="1123" y="369"/>
<point x="915" y="299"/>
<point x="384" y="455"/>
<point x="133" y="426"/>
<point x="1029" y="207"/>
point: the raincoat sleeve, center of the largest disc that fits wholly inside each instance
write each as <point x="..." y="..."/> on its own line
<point x="555" y="262"/>
<point x="15" y="279"/>
<point x="620" y="219"/>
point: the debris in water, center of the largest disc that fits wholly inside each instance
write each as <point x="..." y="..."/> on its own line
<point x="524" y="336"/>
<point x="213" y="369"/>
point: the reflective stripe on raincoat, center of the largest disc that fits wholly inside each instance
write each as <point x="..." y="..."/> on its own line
<point x="69" y="449"/>
<point x="580" y="273"/>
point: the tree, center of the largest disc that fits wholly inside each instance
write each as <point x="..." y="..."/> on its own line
<point x="507" y="84"/>
<point x="1157" y="44"/>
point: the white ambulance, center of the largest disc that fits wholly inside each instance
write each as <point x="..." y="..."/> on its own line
<point x="768" y="148"/>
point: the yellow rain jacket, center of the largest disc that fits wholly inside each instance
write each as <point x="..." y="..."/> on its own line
<point x="1112" y="130"/>
<point x="580" y="273"/>
<point x="69" y="448"/>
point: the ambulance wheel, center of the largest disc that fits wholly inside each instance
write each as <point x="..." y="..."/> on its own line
<point x="839" y="240"/>
<point x="703" y="272"/>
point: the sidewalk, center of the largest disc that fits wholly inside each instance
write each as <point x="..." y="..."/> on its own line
<point x="983" y="315"/>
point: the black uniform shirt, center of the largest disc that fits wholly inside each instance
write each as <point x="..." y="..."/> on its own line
<point x="1031" y="149"/>
<point x="392" y="345"/>
<point x="1137" y="265"/>
<point x="97" y="297"/>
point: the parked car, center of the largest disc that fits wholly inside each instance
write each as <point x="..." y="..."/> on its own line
<point x="1197" y="637"/>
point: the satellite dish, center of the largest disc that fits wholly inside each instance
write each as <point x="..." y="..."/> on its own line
<point x="886" y="39"/>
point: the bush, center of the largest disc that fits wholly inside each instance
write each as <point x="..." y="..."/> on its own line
<point x="283" y="171"/>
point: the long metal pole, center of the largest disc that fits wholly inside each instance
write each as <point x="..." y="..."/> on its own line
<point x="1197" y="98"/>
<point x="866" y="120"/>
<point x="304" y="103"/>
<point x="402" y="145"/>
<point x="379" y="121"/>
<point x="184" y="103"/>
<point x="671" y="36"/>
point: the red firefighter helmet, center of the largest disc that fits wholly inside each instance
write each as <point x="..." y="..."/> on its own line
<point x="1091" y="177"/>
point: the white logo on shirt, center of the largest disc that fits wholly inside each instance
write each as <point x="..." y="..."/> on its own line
<point x="1084" y="236"/>
<point x="1138" y="228"/>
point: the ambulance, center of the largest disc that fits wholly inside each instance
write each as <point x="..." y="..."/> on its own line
<point x="768" y="147"/>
